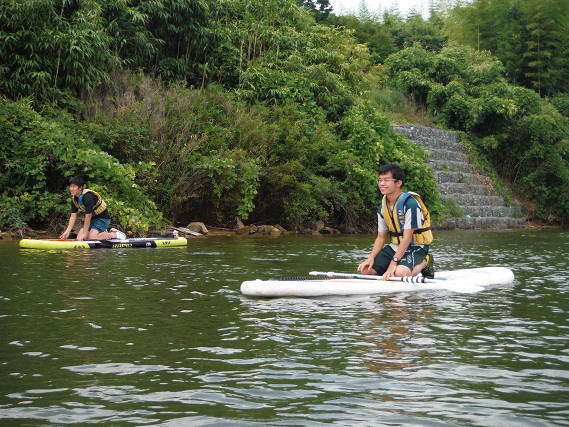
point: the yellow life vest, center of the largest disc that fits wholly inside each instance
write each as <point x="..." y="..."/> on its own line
<point x="395" y="223"/>
<point x="99" y="207"/>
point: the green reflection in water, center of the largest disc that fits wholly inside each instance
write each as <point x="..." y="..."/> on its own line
<point x="147" y="336"/>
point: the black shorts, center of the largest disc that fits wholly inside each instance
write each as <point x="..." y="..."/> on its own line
<point x="414" y="255"/>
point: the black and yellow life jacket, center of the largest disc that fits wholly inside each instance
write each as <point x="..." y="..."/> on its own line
<point x="99" y="207"/>
<point x="395" y="223"/>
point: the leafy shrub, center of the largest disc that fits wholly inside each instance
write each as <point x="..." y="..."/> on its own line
<point x="520" y="135"/>
<point x="216" y="157"/>
<point x="370" y="142"/>
<point x="561" y="103"/>
<point x="39" y="156"/>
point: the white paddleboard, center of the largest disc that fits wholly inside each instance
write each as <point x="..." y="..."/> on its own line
<point x="465" y="280"/>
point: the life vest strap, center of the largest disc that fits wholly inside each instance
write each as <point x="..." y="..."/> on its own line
<point x="395" y="220"/>
<point x="417" y="231"/>
<point x="99" y="206"/>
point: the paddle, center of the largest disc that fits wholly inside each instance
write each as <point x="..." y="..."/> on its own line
<point x="464" y="289"/>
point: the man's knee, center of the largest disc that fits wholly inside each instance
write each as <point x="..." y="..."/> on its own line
<point x="402" y="271"/>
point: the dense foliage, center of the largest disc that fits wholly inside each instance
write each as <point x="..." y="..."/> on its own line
<point x="216" y="156"/>
<point x="197" y="110"/>
<point x="39" y="155"/>
<point x="530" y="37"/>
<point x="516" y="132"/>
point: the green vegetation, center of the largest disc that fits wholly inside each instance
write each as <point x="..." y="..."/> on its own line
<point x="452" y="209"/>
<point x="512" y="130"/>
<point x="193" y="110"/>
<point x="40" y="155"/>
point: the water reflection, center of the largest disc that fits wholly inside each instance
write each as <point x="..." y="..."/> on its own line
<point x="165" y="337"/>
<point x="398" y="336"/>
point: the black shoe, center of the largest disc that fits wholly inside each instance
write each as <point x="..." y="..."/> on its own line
<point x="429" y="270"/>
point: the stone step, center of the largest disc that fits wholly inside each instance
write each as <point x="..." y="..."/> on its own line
<point x="448" y="176"/>
<point x="438" y="144"/>
<point x="417" y="131"/>
<point x="446" y="188"/>
<point x="488" y="211"/>
<point x="475" y="200"/>
<point x="486" y="222"/>
<point x="448" y="156"/>
<point x="460" y="181"/>
<point x="451" y="166"/>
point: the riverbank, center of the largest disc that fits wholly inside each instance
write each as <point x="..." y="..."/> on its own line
<point x="193" y="229"/>
<point x="201" y="230"/>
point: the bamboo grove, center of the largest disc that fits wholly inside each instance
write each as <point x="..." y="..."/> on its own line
<point x="275" y="111"/>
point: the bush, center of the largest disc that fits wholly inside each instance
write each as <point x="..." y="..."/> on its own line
<point x="520" y="135"/>
<point x="216" y="157"/>
<point x="39" y="156"/>
<point x="561" y="103"/>
<point x="368" y="143"/>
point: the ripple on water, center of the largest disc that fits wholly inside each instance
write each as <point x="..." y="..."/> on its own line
<point x="165" y="337"/>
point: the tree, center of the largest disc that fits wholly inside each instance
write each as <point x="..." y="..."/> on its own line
<point x="364" y="13"/>
<point x="470" y="24"/>
<point x="540" y="46"/>
<point x="529" y="37"/>
<point x="52" y="50"/>
<point x="371" y="33"/>
<point x="320" y="9"/>
<point x="559" y="72"/>
<point x="183" y="28"/>
<point x="427" y="33"/>
<point x="127" y="25"/>
<point x="511" y="40"/>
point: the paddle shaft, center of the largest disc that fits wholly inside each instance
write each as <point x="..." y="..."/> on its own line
<point x="464" y="289"/>
<point x="408" y="279"/>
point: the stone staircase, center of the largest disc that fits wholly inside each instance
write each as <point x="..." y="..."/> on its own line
<point x="459" y="180"/>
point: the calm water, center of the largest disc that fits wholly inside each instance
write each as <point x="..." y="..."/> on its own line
<point x="164" y="337"/>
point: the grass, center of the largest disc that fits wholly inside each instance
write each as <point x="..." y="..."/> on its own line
<point x="402" y="109"/>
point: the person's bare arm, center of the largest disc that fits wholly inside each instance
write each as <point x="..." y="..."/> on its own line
<point x="70" y="225"/>
<point x="367" y="265"/>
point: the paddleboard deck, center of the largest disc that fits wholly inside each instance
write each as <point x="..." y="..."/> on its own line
<point x="139" y="242"/>
<point x="465" y="280"/>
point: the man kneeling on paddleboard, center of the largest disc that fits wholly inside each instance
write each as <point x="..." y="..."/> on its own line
<point x="405" y="218"/>
<point x="97" y="216"/>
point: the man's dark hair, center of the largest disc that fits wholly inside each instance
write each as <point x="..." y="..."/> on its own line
<point x="78" y="181"/>
<point x="396" y="172"/>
